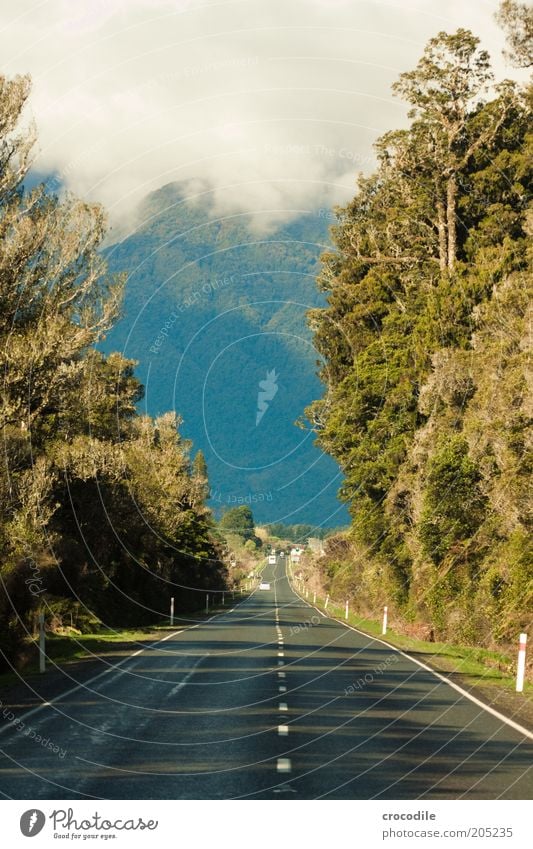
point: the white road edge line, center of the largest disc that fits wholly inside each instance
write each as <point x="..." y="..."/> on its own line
<point x="465" y="693"/>
<point x="114" y="669"/>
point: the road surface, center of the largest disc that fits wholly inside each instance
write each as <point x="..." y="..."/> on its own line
<point x="268" y="700"/>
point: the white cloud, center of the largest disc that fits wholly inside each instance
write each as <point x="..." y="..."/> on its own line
<point x="275" y="103"/>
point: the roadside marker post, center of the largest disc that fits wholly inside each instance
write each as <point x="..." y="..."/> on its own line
<point x="346" y="611"/>
<point x="521" y="666"/>
<point x="222" y="599"/>
<point x="327" y="602"/>
<point x="42" y="646"/>
<point x="171" y="611"/>
<point x="207" y="603"/>
<point x="314" y="598"/>
<point x="385" y="613"/>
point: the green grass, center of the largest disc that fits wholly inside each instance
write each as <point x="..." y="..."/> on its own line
<point x="117" y="642"/>
<point x="481" y="667"/>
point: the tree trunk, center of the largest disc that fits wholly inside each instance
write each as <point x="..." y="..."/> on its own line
<point x="441" y="224"/>
<point x="452" y="221"/>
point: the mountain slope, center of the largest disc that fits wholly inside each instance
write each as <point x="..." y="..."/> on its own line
<point x="213" y="308"/>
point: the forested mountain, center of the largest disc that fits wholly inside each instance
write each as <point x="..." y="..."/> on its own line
<point x="214" y="305"/>
<point x="426" y="339"/>
<point x="101" y="513"/>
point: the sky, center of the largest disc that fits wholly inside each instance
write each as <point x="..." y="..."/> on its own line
<point x="267" y="105"/>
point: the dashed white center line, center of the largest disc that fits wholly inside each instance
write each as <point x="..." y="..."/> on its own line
<point x="283" y="730"/>
<point x="281" y="675"/>
<point x="284" y="765"/>
<point x="281" y="654"/>
<point x="282" y="688"/>
<point x="283" y="706"/>
<point x="281" y="663"/>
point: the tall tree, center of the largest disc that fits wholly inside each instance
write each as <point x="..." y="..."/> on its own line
<point x="417" y="252"/>
<point x="200" y="476"/>
<point x="444" y="90"/>
<point x="516" y="20"/>
<point x="102" y="497"/>
<point x="240" y="521"/>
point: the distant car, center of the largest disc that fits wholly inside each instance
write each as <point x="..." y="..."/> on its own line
<point x="264" y="586"/>
<point x="271" y="559"/>
<point x="282" y="554"/>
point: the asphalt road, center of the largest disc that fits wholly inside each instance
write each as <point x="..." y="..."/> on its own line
<point x="269" y="700"/>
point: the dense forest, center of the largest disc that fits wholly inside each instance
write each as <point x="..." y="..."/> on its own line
<point x="102" y="512"/>
<point x="426" y="339"/>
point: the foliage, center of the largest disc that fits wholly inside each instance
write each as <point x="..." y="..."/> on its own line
<point x="517" y="21"/>
<point x="297" y="533"/>
<point x="240" y="521"/>
<point x="99" y="507"/>
<point x="453" y="506"/>
<point x="426" y="343"/>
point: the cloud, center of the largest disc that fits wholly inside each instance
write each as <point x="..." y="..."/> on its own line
<point x="274" y="104"/>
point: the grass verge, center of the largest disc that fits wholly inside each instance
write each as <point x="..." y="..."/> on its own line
<point x="477" y="667"/>
<point x="113" y="642"/>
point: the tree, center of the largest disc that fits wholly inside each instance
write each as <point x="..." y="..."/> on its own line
<point x="421" y="252"/>
<point x="445" y="91"/>
<point x="454" y="506"/>
<point x="516" y="19"/>
<point x="102" y="499"/>
<point x="55" y="303"/>
<point x="239" y="520"/>
<point x="200" y="476"/>
<point x="55" y="299"/>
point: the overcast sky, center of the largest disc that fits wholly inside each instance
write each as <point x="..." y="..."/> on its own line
<point x="271" y="104"/>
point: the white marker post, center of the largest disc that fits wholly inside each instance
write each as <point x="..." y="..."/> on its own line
<point x="346" y="611"/>
<point x="171" y="611"/>
<point x="42" y="648"/>
<point x="207" y="603"/>
<point x="314" y="598"/>
<point x="327" y="602"/>
<point x="521" y="666"/>
<point x="222" y="599"/>
<point x="385" y="612"/>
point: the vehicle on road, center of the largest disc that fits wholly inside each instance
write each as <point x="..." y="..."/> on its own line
<point x="264" y="585"/>
<point x="282" y="554"/>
